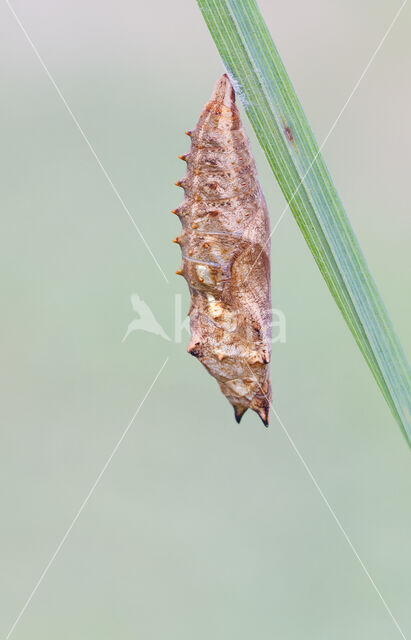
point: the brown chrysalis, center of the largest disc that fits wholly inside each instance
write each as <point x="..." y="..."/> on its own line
<point x="226" y="255"/>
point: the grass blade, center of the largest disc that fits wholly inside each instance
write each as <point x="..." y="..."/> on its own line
<point x="262" y="82"/>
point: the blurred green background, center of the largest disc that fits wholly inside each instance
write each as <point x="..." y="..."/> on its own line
<point x="200" y="528"/>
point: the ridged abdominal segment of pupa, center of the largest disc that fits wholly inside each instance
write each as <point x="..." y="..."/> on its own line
<point x="225" y="249"/>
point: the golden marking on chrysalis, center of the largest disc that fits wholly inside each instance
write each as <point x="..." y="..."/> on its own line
<point x="215" y="309"/>
<point x="230" y="313"/>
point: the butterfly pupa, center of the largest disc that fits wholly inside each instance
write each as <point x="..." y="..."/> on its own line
<point x="225" y="245"/>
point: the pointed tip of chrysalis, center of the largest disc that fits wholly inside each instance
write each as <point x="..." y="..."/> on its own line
<point x="263" y="412"/>
<point x="224" y="91"/>
<point x="239" y="412"/>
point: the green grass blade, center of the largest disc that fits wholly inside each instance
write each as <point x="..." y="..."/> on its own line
<point x="252" y="61"/>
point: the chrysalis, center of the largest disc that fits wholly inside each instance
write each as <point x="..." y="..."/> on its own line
<point x="225" y="249"/>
